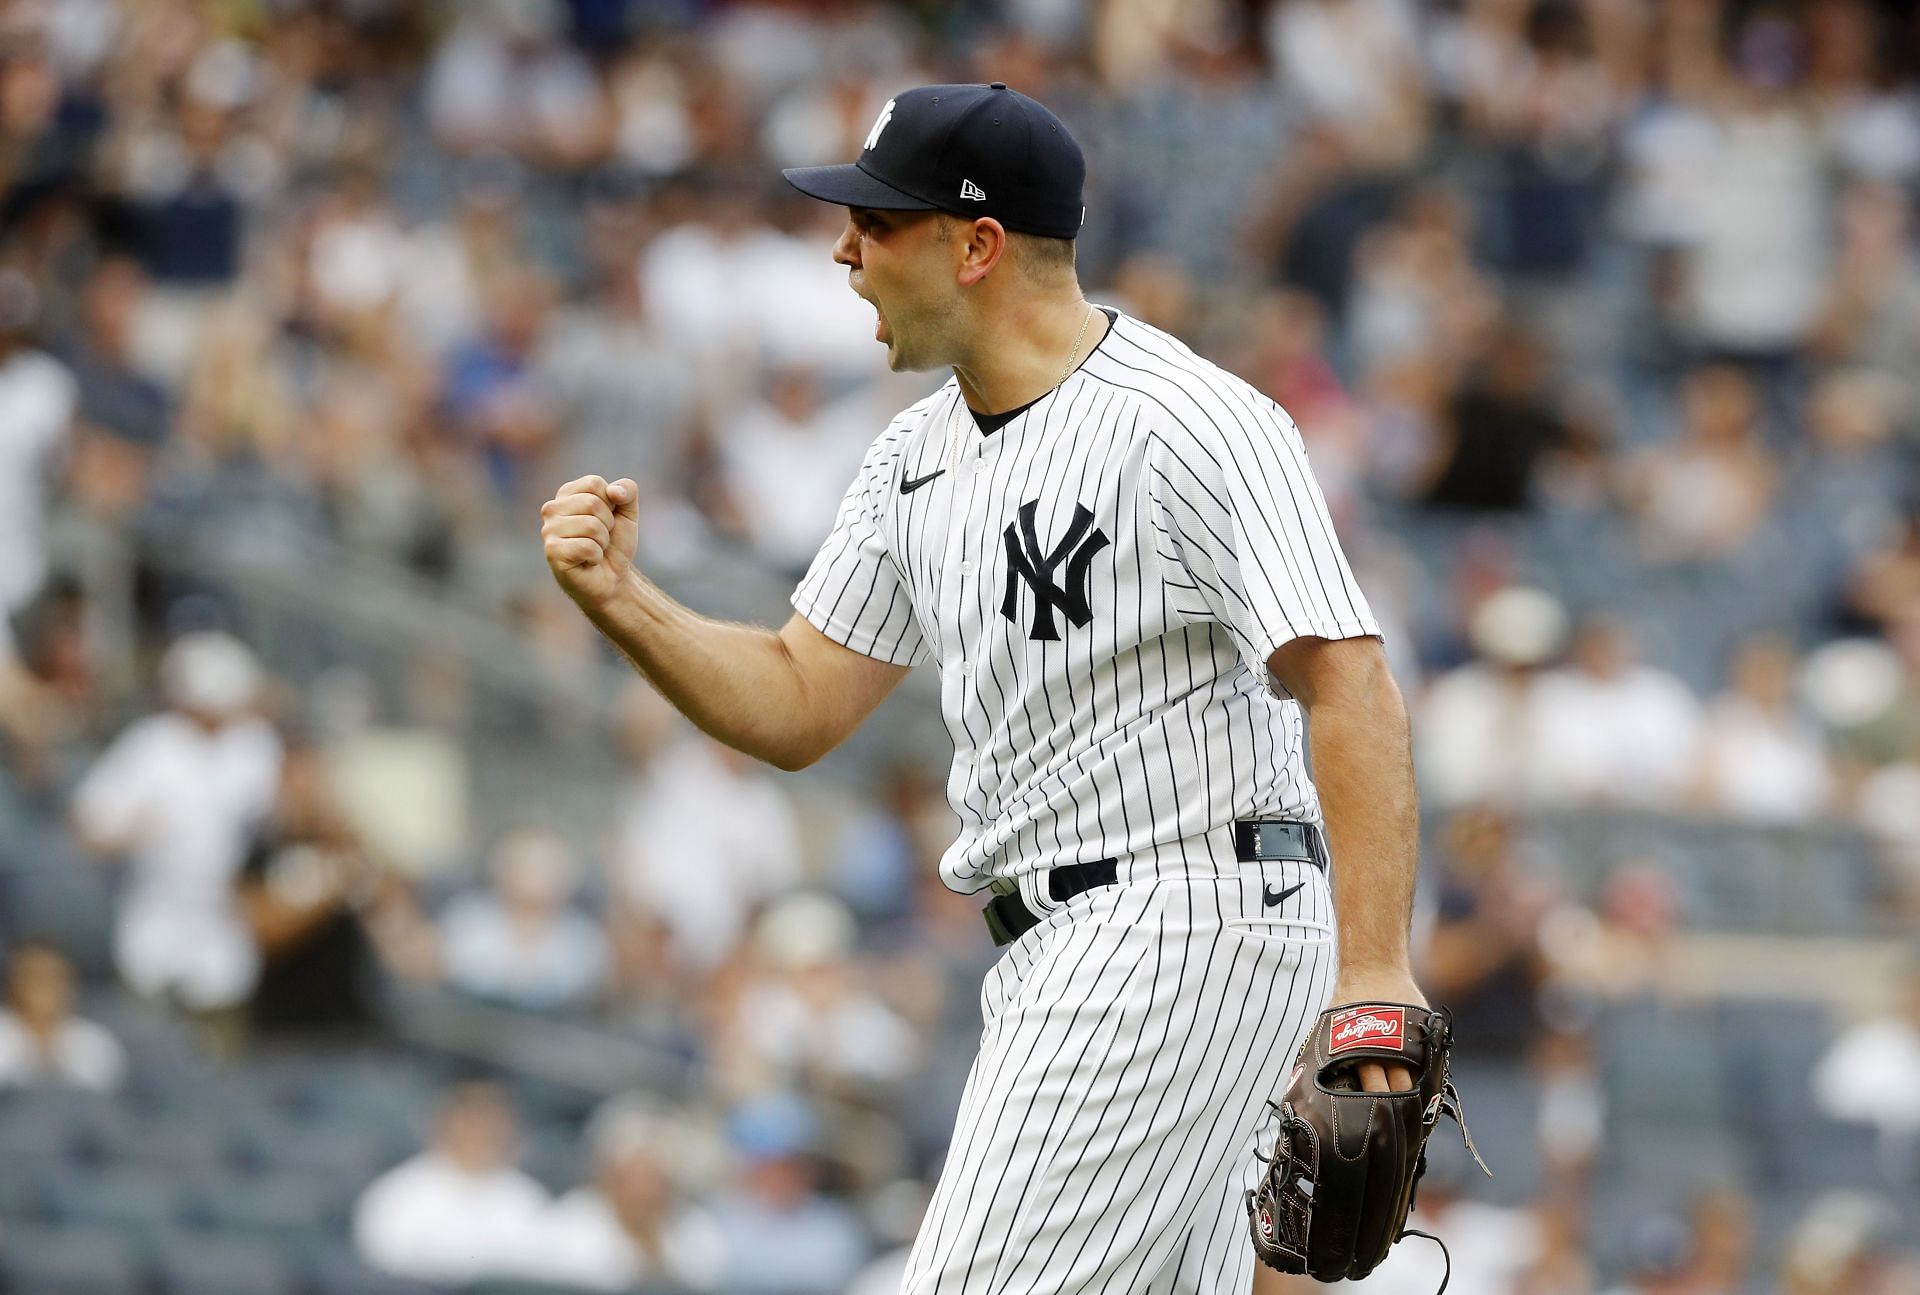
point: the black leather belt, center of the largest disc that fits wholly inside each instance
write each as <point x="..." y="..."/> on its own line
<point x="1009" y="918"/>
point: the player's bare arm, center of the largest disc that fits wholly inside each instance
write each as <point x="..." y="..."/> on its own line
<point x="786" y="697"/>
<point x="1363" y="767"/>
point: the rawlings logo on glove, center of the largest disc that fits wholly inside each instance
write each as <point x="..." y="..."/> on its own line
<point x="1335" y="1216"/>
<point x="1360" y="1025"/>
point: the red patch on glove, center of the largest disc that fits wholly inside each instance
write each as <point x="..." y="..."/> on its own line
<point x="1368" y="1027"/>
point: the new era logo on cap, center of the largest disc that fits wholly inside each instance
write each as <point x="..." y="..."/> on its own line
<point x="968" y="189"/>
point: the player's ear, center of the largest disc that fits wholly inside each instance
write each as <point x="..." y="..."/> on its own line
<point x="979" y="245"/>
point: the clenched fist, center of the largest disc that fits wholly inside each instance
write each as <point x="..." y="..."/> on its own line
<point x="589" y="529"/>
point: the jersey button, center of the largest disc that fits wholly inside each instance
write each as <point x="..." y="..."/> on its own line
<point x="966" y="568"/>
<point x="966" y="668"/>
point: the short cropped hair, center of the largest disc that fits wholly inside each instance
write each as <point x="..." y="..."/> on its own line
<point x="1043" y="260"/>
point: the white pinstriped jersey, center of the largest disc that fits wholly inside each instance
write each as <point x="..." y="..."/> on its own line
<point x="1101" y="582"/>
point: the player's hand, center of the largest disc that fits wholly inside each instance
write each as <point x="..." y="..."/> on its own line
<point x="1379" y="987"/>
<point x="590" y="529"/>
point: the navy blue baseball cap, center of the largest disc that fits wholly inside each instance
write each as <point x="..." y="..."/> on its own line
<point x="973" y="150"/>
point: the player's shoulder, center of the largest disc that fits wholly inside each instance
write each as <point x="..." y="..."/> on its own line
<point x="1182" y="398"/>
<point x="905" y="428"/>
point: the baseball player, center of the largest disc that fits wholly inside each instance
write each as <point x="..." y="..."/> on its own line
<point x="1117" y="558"/>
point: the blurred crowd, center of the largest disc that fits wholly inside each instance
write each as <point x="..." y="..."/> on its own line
<point x="1601" y="319"/>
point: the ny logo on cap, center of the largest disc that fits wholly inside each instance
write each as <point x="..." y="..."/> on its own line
<point x="968" y="189"/>
<point x="886" y="115"/>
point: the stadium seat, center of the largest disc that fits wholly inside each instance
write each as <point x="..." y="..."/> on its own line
<point x="138" y="1202"/>
<point x="66" y="900"/>
<point x="287" y="1210"/>
<point x="39" y="1260"/>
<point x="337" y="1270"/>
<point x="199" y="1264"/>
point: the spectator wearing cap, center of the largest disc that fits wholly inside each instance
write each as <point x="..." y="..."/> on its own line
<point x="459" y="1211"/>
<point x="41" y="1040"/>
<point x="806" y="1017"/>
<point x="522" y="943"/>
<point x="632" y="1224"/>
<point x="782" y="1236"/>
<point x="180" y="794"/>
<point x="1479" y="738"/>
<point x="38" y="399"/>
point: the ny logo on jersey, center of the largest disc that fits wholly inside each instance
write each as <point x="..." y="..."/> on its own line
<point x="1026" y="561"/>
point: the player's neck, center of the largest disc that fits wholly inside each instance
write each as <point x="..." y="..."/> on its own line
<point x="1026" y="352"/>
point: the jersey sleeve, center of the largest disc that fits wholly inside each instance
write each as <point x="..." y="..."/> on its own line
<point x="1249" y="530"/>
<point x="854" y="591"/>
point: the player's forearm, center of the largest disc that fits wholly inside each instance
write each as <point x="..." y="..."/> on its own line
<point x="1363" y="767"/>
<point x="737" y="683"/>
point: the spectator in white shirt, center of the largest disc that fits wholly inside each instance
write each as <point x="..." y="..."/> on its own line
<point x="631" y="1224"/>
<point x="180" y="794"/>
<point x="1871" y="1073"/>
<point x="522" y="943"/>
<point x="1612" y="731"/>
<point x="41" y="1040"/>
<point x="805" y="1017"/>
<point x="706" y="837"/>
<point x="459" y="1211"/>
<point x="1477" y="735"/>
<point x="1762" y="760"/>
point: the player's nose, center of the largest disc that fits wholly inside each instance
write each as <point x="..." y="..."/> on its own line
<point x="847" y="250"/>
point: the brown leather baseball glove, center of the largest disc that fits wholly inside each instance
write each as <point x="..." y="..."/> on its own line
<point x="1336" y="1192"/>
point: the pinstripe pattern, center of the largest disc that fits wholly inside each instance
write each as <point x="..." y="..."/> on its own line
<point x="1107" y="1127"/>
<point x="1153" y="723"/>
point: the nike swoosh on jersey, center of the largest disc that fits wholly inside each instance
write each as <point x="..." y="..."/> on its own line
<point x="910" y="484"/>
<point x="1272" y="896"/>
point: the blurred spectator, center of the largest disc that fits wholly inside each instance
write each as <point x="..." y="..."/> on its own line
<point x="1848" y="1243"/>
<point x="891" y="843"/>
<point x="1499" y="426"/>
<point x="706" y="836"/>
<point x="505" y="78"/>
<point x="492" y="391"/>
<point x="1871" y="316"/>
<point x="783" y="1237"/>
<point x="38" y="399"/>
<point x="41" y="1040"/>
<point x="1628" y="948"/>
<point x="805" y="1019"/>
<point x="523" y="943"/>
<point x="1709" y="1254"/>
<point x="1700" y="497"/>
<point x="1871" y="1073"/>
<point x="1761" y="759"/>
<point x="1885" y="587"/>
<point x="459" y="1211"/>
<point x="1479" y="738"/>
<point x="632" y="1224"/>
<point x="1611" y="730"/>
<point x="124" y="414"/>
<point x="785" y="461"/>
<point x="327" y="919"/>
<point x="179" y="794"/>
<point x="1754" y="251"/>
<point x="1483" y="956"/>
